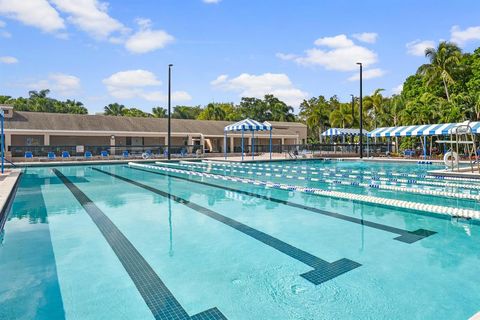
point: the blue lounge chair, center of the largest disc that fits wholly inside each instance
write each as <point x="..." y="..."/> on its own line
<point x="125" y="154"/>
<point x="104" y="154"/>
<point x="28" y="155"/>
<point x="88" y="155"/>
<point x="65" y="154"/>
<point x="51" y="156"/>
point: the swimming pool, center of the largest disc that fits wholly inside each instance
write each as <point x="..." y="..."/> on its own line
<point x="216" y="241"/>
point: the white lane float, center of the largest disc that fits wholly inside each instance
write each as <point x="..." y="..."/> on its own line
<point x="401" y="204"/>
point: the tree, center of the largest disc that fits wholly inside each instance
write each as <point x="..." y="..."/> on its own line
<point x="213" y="111"/>
<point x="444" y="61"/>
<point x="186" y="112"/>
<point x="341" y="116"/>
<point x="375" y="106"/>
<point x="314" y="112"/>
<point x="159" y="112"/>
<point x="114" y="109"/>
<point x="134" y="112"/>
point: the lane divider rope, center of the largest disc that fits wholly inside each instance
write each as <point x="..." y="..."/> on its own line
<point x="457" y="212"/>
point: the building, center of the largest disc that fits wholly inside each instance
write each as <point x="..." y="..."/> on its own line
<point x="40" y="132"/>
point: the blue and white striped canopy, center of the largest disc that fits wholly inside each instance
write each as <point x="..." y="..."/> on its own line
<point x="421" y="130"/>
<point x="333" y="132"/>
<point x="249" y="125"/>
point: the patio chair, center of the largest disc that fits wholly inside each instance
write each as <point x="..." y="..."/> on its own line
<point x="51" y="156"/>
<point x="28" y="155"/>
<point x="104" y="154"/>
<point x="88" y="155"/>
<point x="65" y="154"/>
<point x="125" y="154"/>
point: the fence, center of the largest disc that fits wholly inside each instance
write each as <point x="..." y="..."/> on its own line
<point x="184" y="150"/>
<point x="157" y="150"/>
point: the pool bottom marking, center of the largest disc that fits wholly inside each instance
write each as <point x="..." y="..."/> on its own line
<point x="156" y="295"/>
<point x="322" y="270"/>
<point x="404" y="236"/>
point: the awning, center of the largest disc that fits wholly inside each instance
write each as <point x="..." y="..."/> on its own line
<point x="332" y="132"/>
<point x="249" y="125"/>
<point x="421" y="130"/>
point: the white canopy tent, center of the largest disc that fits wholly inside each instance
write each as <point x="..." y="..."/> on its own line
<point x="248" y="125"/>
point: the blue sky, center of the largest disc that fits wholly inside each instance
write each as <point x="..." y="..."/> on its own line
<point x="118" y="51"/>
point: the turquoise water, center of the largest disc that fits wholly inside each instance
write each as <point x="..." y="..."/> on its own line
<point x="56" y="263"/>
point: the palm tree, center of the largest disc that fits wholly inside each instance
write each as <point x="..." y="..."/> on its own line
<point x="374" y="105"/>
<point x="159" y="112"/>
<point x="213" y="111"/>
<point x="39" y="94"/>
<point x="444" y="60"/>
<point x="341" y="116"/>
<point x="315" y="114"/>
<point x="114" y="109"/>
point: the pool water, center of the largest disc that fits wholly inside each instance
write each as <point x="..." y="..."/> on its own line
<point x="120" y="242"/>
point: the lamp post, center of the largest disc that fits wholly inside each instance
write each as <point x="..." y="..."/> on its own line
<point x="361" y="109"/>
<point x="169" y="138"/>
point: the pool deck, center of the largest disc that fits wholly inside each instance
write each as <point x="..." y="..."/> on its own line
<point x="8" y="183"/>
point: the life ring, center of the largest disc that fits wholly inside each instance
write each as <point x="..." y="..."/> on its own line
<point x="450" y="159"/>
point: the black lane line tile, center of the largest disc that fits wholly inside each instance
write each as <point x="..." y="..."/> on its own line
<point x="404" y="235"/>
<point x="323" y="270"/>
<point x="158" y="298"/>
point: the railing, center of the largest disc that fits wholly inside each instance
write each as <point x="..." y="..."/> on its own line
<point x="184" y="150"/>
<point x="339" y="148"/>
<point x="156" y="150"/>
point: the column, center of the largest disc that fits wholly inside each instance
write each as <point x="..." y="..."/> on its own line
<point x="232" y="144"/>
<point x="8" y="143"/>
<point x="202" y="142"/>
<point x="112" y="145"/>
<point x="46" y="139"/>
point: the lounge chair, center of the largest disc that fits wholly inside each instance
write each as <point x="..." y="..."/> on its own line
<point x="28" y="155"/>
<point x="125" y="154"/>
<point x="104" y="154"/>
<point x="51" y="156"/>
<point x="65" y="154"/>
<point x="88" y="155"/>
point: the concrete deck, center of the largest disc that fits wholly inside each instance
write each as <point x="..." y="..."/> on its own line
<point x="8" y="183"/>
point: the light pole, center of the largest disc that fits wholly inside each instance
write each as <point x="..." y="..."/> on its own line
<point x="169" y="138"/>
<point x="361" y="109"/>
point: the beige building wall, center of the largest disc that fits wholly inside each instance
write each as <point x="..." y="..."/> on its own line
<point x="27" y="140"/>
<point x="79" y="140"/>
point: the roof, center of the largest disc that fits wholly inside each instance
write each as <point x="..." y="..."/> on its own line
<point x="422" y="130"/>
<point x="249" y="125"/>
<point x="343" y="132"/>
<point x="44" y="121"/>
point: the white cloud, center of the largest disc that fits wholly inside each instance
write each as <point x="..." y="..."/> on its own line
<point x="340" y="53"/>
<point x="340" y="41"/>
<point x="90" y="16"/>
<point x="133" y="84"/>
<point x="461" y="37"/>
<point x="8" y="60"/>
<point x="286" y="56"/>
<point x="249" y="85"/>
<point x="367" y="74"/>
<point x="398" y="89"/>
<point x="417" y="47"/>
<point x="211" y="1"/>
<point x="36" y="13"/>
<point x="146" y="39"/>
<point x="368" y="37"/>
<point x="58" y="83"/>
